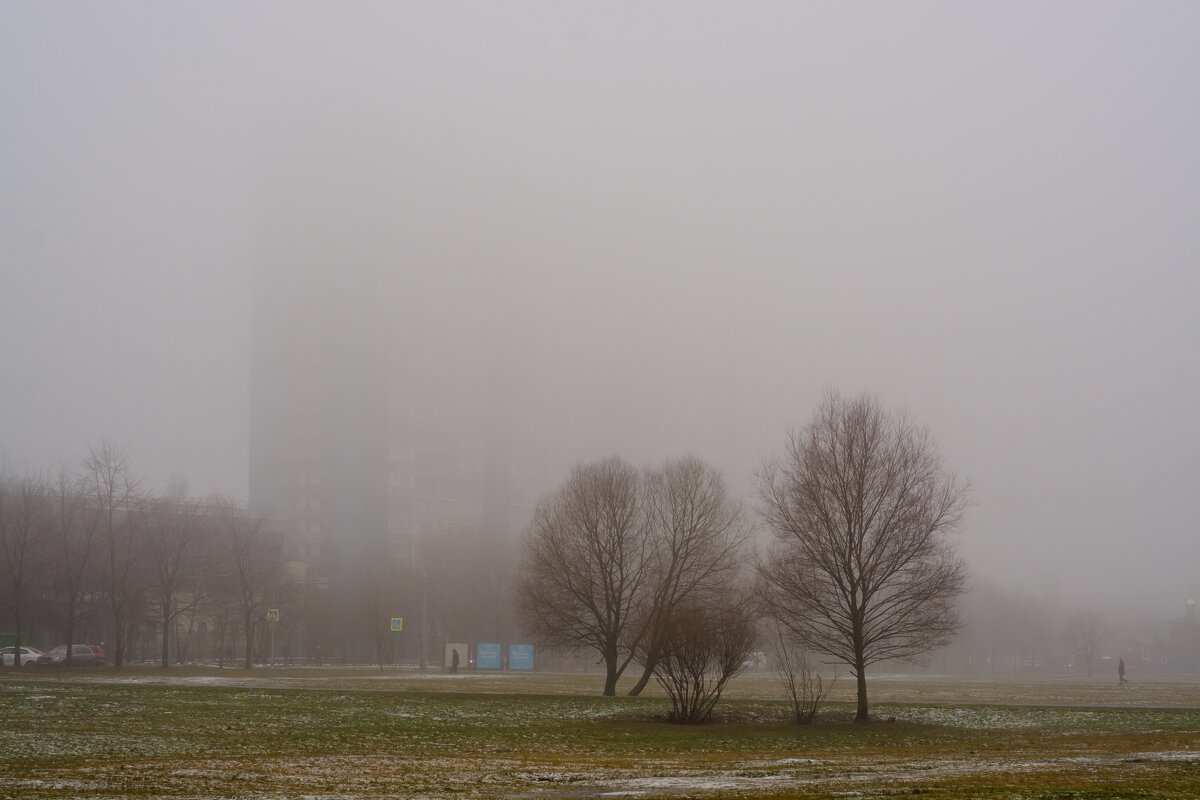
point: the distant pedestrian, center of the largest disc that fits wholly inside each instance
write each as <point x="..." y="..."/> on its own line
<point x="454" y="661"/>
<point x="1121" y="671"/>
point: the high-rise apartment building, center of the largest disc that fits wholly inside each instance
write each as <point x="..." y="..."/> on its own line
<point x="372" y="440"/>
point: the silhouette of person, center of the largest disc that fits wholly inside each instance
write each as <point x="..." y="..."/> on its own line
<point x="454" y="661"/>
<point x="1121" y="671"/>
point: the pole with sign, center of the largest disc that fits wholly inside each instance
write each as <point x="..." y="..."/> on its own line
<point x="397" y="627"/>
<point x="272" y="618"/>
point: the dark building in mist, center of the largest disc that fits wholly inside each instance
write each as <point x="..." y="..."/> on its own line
<point x="377" y="455"/>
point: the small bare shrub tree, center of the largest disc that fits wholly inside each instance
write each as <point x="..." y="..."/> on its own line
<point x="805" y="687"/>
<point x="704" y="646"/>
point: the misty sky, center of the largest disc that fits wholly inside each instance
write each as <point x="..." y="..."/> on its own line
<point x="663" y="227"/>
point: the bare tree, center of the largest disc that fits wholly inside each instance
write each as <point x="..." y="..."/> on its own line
<point x="587" y="565"/>
<point x="73" y="544"/>
<point x="173" y="527"/>
<point x="861" y="569"/>
<point x="1084" y="633"/>
<point x="375" y="599"/>
<point x="805" y="687"/>
<point x="111" y="496"/>
<point x="221" y="603"/>
<point x="699" y="537"/>
<point x="252" y="555"/>
<point x="24" y="528"/>
<point x="703" y="647"/>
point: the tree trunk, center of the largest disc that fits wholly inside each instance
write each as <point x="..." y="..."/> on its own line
<point x="647" y="673"/>
<point x="118" y="649"/>
<point x="249" y="620"/>
<point x="166" y="636"/>
<point x="860" y="668"/>
<point x="860" y="671"/>
<point x="610" y="673"/>
<point x="423" y="656"/>
<point x="16" y="642"/>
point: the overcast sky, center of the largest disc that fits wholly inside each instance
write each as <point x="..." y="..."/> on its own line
<point x="670" y="226"/>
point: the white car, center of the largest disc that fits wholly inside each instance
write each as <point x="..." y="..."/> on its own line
<point x="30" y="656"/>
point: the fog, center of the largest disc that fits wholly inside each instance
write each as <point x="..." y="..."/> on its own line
<point x="636" y="229"/>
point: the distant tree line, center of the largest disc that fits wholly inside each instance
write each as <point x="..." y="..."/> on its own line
<point x="86" y="556"/>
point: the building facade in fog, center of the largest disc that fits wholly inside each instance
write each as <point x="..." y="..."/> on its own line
<point x="389" y="458"/>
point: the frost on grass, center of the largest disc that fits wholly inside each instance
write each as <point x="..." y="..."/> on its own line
<point x="1065" y="720"/>
<point x="67" y="739"/>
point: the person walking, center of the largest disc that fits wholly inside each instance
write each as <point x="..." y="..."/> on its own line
<point x="454" y="661"/>
<point x="1121" y="672"/>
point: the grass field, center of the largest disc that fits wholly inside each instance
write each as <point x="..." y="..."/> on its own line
<point x="359" y="733"/>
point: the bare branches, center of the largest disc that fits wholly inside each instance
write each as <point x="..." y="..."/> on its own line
<point x="704" y="646"/>
<point x="613" y="553"/>
<point x="173" y="531"/>
<point x="805" y="687"/>
<point x="252" y="553"/>
<point x="699" y="537"/>
<point x="24" y="525"/>
<point x="860" y="506"/>
<point x="1084" y="633"/>
<point x="587" y="564"/>
<point x="73" y="545"/>
<point x="111" y="495"/>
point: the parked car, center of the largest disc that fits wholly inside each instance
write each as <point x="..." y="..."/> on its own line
<point x="99" y="651"/>
<point x="82" y="655"/>
<point x="30" y="656"/>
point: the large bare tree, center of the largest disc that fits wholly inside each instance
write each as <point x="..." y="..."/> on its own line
<point x="24" y="529"/>
<point x="73" y="545"/>
<point x="172" y="531"/>
<point x="860" y="506"/>
<point x="251" y="555"/>
<point x="699" y="547"/>
<point x="111" y="496"/>
<point x="588" y="564"/>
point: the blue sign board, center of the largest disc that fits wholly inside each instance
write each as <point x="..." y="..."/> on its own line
<point x="487" y="656"/>
<point x="520" y="656"/>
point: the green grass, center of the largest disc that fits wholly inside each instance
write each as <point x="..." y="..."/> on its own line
<point x="324" y="735"/>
